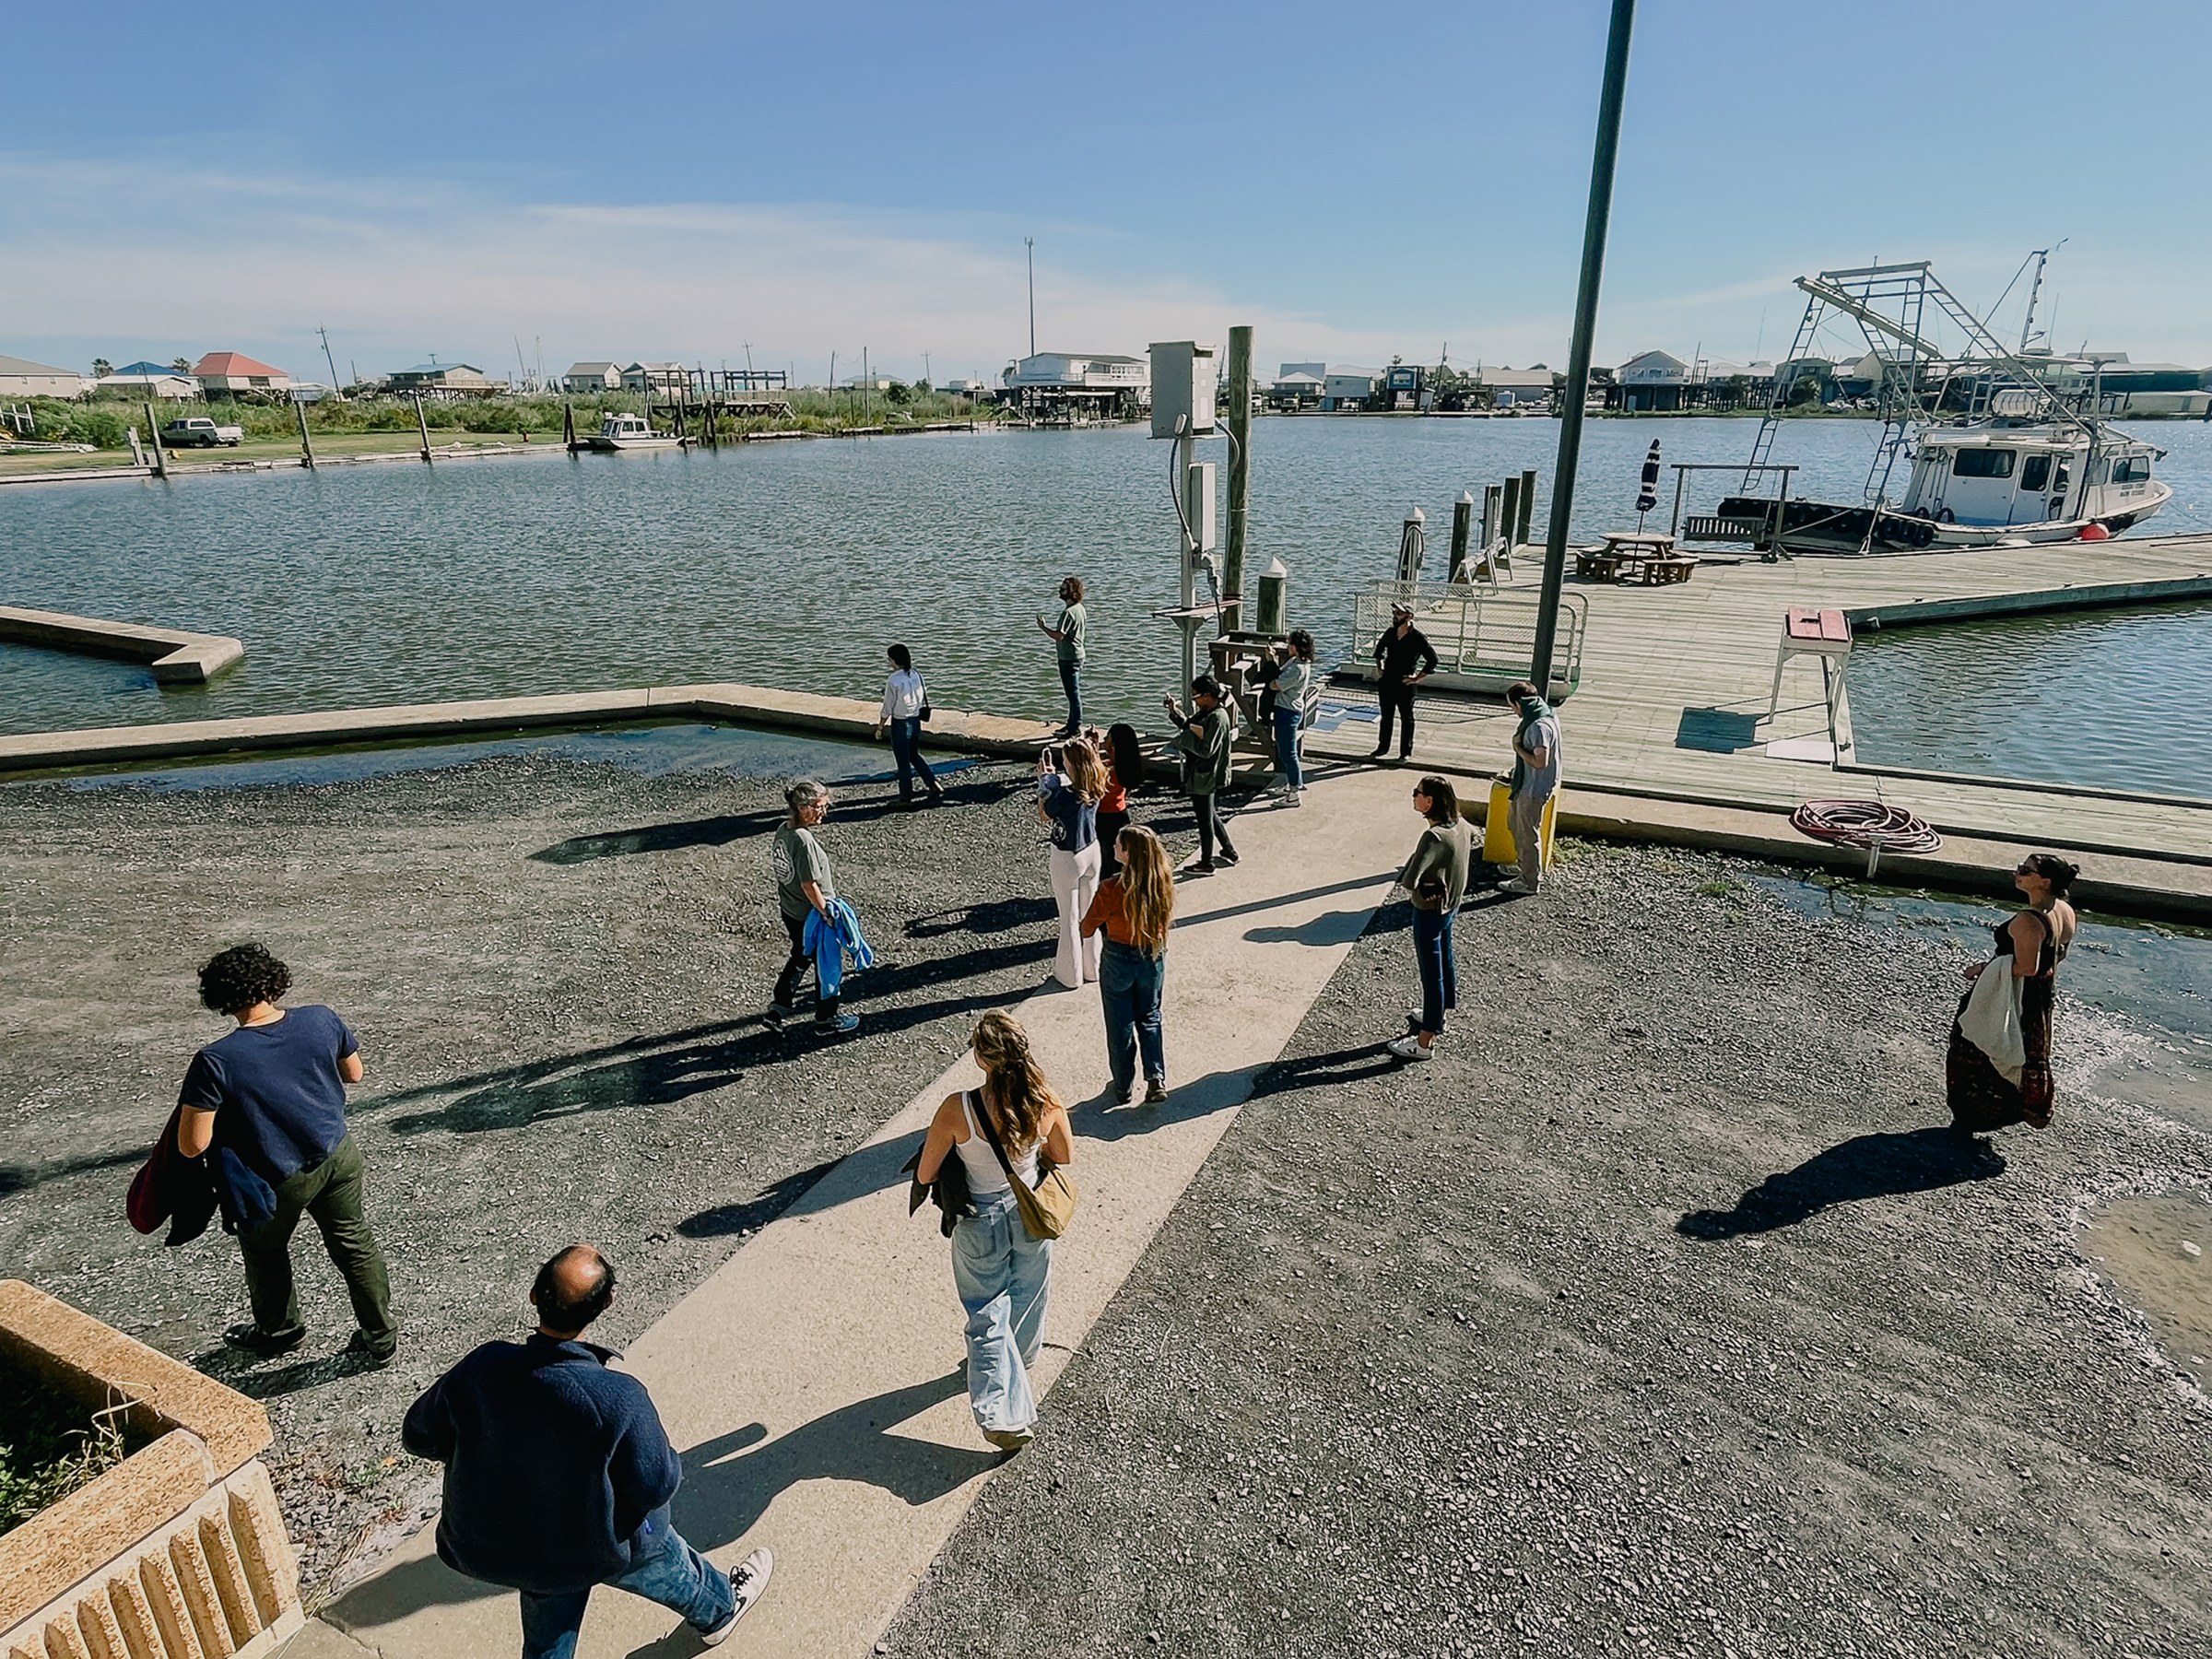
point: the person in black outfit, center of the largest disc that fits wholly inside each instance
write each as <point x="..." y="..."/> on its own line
<point x="557" y="1475"/>
<point x="1406" y="659"/>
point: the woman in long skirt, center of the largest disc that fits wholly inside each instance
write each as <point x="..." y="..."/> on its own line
<point x="1004" y="1276"/>
<point x="1998" y="1070"/>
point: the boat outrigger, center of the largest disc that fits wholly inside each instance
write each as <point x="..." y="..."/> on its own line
<point x="2000" y="456"/>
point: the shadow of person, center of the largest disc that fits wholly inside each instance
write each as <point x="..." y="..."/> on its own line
<point x="1316" y="1071"/>
<point x="1865" y="1165"/>
<point x="729" y="1481"/>
<point x="1331" y="927"/>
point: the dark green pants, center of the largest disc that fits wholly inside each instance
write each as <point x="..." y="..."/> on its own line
<point x="332" y="1193"/>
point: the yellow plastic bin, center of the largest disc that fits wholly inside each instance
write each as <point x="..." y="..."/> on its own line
<point x="1497" y="829"/>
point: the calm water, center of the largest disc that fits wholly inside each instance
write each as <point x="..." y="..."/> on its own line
<point x="780" y="564"/>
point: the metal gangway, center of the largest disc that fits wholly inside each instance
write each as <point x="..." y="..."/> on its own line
<point x="1484" y="638"/>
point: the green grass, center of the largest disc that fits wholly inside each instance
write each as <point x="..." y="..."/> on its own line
<point x="49" y="1450"/>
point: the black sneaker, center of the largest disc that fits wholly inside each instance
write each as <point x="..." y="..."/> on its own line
<point x="253" y="1339"/>
<point x="778" y="1013"/>
<point x="371" y="1356"/>
<point x="1225" y="856"/>
<point x="1199" y="869"/>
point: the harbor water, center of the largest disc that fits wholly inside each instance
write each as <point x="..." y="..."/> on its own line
<point x="793" y="564"/>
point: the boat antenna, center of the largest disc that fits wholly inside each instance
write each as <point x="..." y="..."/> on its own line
<point x="2041" y="257"/>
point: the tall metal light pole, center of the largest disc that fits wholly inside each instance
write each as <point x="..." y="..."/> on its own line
<point x="1586" y="326"/>
<point x="1030" y="243"/>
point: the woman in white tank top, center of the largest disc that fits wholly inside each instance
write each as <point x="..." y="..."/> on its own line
<point x="1004" y="1276"/>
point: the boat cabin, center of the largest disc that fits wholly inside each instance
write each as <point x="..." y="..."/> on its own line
<point x="618" y="424"/>
<point x="2029" y="473"/>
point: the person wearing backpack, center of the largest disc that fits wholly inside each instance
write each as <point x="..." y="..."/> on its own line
<point x="1012" y="1129"/>
<point x="1204" y="739"/>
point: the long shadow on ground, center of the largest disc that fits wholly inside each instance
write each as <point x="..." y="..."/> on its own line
<point x="1865" y="1165"/>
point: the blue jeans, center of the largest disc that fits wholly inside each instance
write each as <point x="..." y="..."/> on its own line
<point x="1289" y="724"/>
<point x="906" y="749"/>
<point x="1005" y="1278"/>
<point x="679" y="1578"/>
<point x="1071" y="681"/>
<point x="1439" y="980"/>
<point x="1129" y="985"/>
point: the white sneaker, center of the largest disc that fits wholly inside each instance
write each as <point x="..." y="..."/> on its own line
<point x="750" y="1578"/>
<point x="1291" y="798"/>
<point x="1408" y="1047"/>
<point x="1518" y="887"/>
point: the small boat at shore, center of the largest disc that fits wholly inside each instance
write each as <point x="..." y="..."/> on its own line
<point x="2002" y="453"/>
<point x="620" y="430"/>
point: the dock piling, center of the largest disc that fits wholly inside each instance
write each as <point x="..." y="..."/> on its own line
<point x="307" y="449"/>
<point x="1509" y="514"/>
<point x="1463" y="527"/>
<point x="1528" y="506"/>
<point x="422" y="425"/>
<point x="1240" y="469"/>
<point x="153" y="431"/>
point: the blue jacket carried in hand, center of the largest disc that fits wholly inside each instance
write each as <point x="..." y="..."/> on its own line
<point x="828" y="942"/>
<point x="558" y="1474"/>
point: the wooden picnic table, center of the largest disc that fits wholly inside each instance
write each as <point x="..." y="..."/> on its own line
<point x="1646" y="555"/>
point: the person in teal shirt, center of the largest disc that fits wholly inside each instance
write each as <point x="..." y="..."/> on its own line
<point x="1067" y="635"/>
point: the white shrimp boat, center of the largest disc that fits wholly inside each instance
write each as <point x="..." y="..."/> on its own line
<point x="620" y="430"/>
<point x="1999" y="458"/>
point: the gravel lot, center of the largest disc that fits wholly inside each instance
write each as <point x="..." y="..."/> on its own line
<point x="555" y="971"/>
<point x="1532" y="1350"/>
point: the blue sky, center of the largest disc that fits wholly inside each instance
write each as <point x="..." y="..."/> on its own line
<point x="679" y="179"/>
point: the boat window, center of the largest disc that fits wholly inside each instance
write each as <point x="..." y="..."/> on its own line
<point x="1984" y="462"/>
<point x="2131" y="469"/>
<point x="2065" y="476"/>
<point x="2035" y="471"/>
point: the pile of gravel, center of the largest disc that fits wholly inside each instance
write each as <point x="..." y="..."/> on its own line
<point x="556" y="972"/>
<point x="1653" y="1317"/>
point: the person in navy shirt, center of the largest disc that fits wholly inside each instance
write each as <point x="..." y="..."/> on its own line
<point x="559" y="1473"/>
<point x="273" y="1091"/>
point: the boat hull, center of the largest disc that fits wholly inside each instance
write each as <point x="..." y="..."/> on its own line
<point x="609" y="445"/>
<point x="1821" y="527"/>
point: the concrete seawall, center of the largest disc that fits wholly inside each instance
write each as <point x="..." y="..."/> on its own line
<point x="176" y="655"/>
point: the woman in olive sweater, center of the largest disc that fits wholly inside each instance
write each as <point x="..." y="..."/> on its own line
<point x="1435" y="877"/>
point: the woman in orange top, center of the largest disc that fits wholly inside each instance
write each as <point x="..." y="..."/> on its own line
<point x="1135" y="907"/>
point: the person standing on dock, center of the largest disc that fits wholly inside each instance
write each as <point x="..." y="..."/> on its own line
<point x="905" y="707"/>
<point x="1535" y="779"/>
<point x="1205" y="737"/>
<point x="1067" y="635"/>
<point x="804" y="888"/>
<point x="1435" y="878"/>
<point x="1297" y="689"/>
<point x="1069" y="782"/>
<point x="273" y="1093"/>
<point x="1404" y="658"/>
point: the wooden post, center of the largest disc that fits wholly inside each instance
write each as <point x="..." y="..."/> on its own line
<point x="422" y="425"/>
<point x="1492" y="496"/>
<point x="1239" y="472"/>
<point x="1528" y="506"/>
<point x="153" y="431"/>
<point x="1509" y="512"/>
<point x="137" y="454"/>
<point x="568" y="425"/>
<point x="1463" y="527"/>
<point x="307" y="450"/>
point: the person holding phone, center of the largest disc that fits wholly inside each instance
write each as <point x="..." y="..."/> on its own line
<point x="1203" y="737"/>
<point x="1067" y="635"/>
<point x="1069" y="782"/>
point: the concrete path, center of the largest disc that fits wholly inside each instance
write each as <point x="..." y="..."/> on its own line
<point x="813" y="1383"/>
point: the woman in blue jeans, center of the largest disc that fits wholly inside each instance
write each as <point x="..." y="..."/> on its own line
<point x="1435" y="877"/>
<point x="1297" y="687"/>
<point x="904" y="698"/>
<point x="1135" y="907"/>
<point x="1004" y="1276"/>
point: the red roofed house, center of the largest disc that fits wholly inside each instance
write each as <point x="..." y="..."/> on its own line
<point x="227" y="373"/>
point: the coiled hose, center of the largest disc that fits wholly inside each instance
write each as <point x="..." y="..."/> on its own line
<point x="1869" y="824"/>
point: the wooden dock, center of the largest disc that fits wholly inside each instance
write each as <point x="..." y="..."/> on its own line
<point x="1673" y="701"/>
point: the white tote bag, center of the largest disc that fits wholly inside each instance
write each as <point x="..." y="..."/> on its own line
<point x="1991" y="1018"/>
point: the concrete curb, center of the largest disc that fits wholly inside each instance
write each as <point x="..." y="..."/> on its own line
<point x="177" y="657"/>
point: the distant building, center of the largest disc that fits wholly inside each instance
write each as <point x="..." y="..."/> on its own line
<point x="1719" y="383"/>
<point x="1653" y="380"/>
<point x="145" y="380"/>
<point x="448" y="380"/>
<point x="590" y="380"/>
<point x="1297" y="387"/>
<point x="19" y="377"/>
<point x="1343" y="385"/>
<point x="663" y="379"/>
<point x="963" y="388"/>
<point x="234" y="374"/>
<point x="1405" y="386"/>
<point x="1517" y="388"/>
<point x="1097" y="385"/>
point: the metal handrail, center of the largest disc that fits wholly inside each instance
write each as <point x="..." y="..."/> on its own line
<point x="1479" y="634"/>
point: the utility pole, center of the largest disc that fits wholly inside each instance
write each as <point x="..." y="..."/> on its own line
<point x="328" y="358"/>
<point x="1030" y="243"/>
<point x="1606" y="152"/>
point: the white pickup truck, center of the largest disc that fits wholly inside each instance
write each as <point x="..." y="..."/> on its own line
<point x="198" y="432"/>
